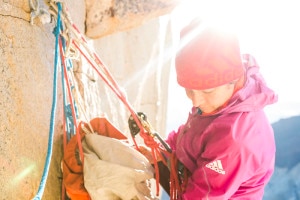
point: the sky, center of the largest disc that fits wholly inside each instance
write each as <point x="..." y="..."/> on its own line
<point x="269" y="30"/>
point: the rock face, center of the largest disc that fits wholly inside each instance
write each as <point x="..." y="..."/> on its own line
<point x="107" y="16"/>
<point x="136" y="58"/>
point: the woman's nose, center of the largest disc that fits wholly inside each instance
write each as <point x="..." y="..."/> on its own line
<point x="195" y="97"/>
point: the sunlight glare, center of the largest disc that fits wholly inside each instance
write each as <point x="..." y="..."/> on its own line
<point x="18" y="178"/>
<point x="269" y="30"/>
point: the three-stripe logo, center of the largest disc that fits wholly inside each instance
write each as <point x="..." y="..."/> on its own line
<point x="216" y="166"/>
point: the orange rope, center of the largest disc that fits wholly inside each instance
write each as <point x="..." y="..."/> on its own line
<point x="174" y="180"/>
<point x="154" y="146"/>
<point x="177" y="186"/>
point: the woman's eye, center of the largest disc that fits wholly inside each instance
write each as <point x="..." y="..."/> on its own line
<point x="208" y="91"/>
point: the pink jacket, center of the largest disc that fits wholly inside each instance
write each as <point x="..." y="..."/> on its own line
<point x="230" y="154"/>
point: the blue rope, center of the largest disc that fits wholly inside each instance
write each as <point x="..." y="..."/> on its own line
<point x="67" y="109"/>
<point x="52" y="119"/>
<point x="70" y="127"/>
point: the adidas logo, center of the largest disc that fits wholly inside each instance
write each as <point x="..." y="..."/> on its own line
<point x="216" y="166"/>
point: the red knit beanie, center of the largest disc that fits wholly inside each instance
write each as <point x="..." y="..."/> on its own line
<point x="210" y="57"/>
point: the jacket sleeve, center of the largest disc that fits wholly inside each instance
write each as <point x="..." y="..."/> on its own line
<point x="224" y="164"/>
<point x="172" y="137"/>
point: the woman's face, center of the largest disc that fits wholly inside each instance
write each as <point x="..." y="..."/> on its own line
<point x="210" y="100"/>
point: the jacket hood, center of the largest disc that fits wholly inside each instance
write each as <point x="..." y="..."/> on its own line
<point x="255" y="94"/>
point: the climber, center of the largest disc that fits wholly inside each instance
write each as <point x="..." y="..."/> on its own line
<point x="227" y="144"/>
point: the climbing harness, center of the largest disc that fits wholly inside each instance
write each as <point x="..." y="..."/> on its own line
<point x="69" y="44"/>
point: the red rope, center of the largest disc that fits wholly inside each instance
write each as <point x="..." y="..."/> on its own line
<point x="65" y="131"/>
<point x="63" y="189"/>
<point x="106" y="76"/>
<point x="148" y="139"/>
<point x="154" y="146"/>
<point x="117" y="91"/>
<point x="66" y="78"/>
<point x="175" y="188"/>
